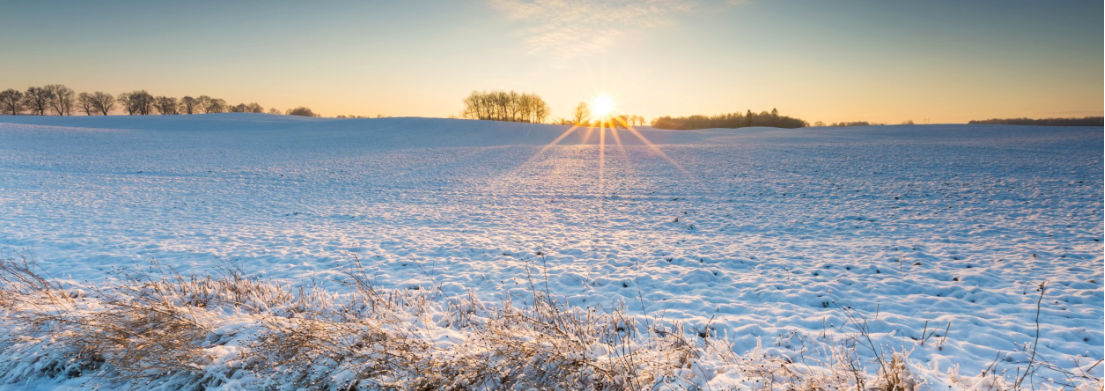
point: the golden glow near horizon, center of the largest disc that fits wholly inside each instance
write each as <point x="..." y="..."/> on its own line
<point x="948" y="62"/>
<point x="602" y="106"/>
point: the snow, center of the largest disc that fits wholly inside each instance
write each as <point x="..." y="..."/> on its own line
<point x="774" y="234"/>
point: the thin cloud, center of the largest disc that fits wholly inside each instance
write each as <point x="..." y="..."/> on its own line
<point x="572" y="28"/>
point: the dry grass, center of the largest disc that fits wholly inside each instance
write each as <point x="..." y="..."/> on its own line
<point x="233" y="332"/>
<point x="205" y="332"/>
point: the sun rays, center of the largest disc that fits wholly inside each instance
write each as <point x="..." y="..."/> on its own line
<point x="606" y="120"/>
<point x="650" y="145"/>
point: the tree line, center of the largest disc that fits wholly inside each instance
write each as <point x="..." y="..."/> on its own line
<point x="505" y="106"/>
<point x="848" y="124"/>
<point x="1085" y="121"/>
<point x="58" y="99"/>
<point x="731" y="120"/>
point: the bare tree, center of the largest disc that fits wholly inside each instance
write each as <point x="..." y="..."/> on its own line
<point x="474" y="106"/>
<point x="215" y="105"/>
<point x="244" y="108"/>
<point x="103" y="102"/>
<point x="137" y="102"/>
<point x="634" y="120"/>
<point x="505" y="106"/>
<point x="512" y="106"/>
<point x="86" y="103"/>
<point x="188" y="105"/>
<point x="37" y="99"/>
<point x="525" y="105"/>
<point x="11" y="101"/>
<point x="275" y="111"/>
<point x="582" y="113"/>
<point x="124" y="99"/>
<point x="166" y="105"/>
<point x="202" y="102"/>
<point x="61" y="99"/>
<point x="540" y="111"/>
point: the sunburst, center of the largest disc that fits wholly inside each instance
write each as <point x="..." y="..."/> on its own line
<point x="602" y="106"/>
<point x="603" y="110"/>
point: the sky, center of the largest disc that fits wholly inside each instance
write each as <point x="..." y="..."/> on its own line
<point x="932" y="61"/>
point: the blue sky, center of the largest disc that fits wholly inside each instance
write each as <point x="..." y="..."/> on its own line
<point x="927" y="61"/>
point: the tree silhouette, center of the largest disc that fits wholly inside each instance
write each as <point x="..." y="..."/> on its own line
<point x="633" y="119"/>
<point x="61" y="98"/>
<point x="124" y="99"/>
<point x="505" y="106"/>
<point x="848" y="124"/>
<point x="188" y="105"/>
<point x="582" y="113"/>
<point x="166" y="105"/>
<point x="732" y="120"/>
<point x="103" y="102"/>
<point x="202" y="102"/>
<point x="137" y="102"/>
<point x="244" y="108"/>
<point x="37" y="99"/>
<point x="215" y="105"/>
<point x="84" y="100"/>
<point x="302" y="111"/>
<point x="11" y="101"/>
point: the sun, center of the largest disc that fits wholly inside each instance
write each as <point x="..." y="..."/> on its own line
<point x="602" y="106"/>
<point x="598" y="115"/>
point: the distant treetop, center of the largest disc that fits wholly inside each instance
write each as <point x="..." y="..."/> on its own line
<point x="302" y="112"/>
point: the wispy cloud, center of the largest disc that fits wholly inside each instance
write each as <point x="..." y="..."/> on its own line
<point x="572" y="28"/>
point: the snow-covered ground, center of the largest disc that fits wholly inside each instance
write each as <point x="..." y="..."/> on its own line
<point x="771" y="233"/>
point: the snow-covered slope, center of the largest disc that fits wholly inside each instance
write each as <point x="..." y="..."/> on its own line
<point x="769" y="232"/>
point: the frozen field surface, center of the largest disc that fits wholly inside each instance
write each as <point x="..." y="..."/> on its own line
<point x="770" y="232"/>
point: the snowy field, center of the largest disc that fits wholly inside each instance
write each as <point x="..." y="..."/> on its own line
<point x="765" y="235"/>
